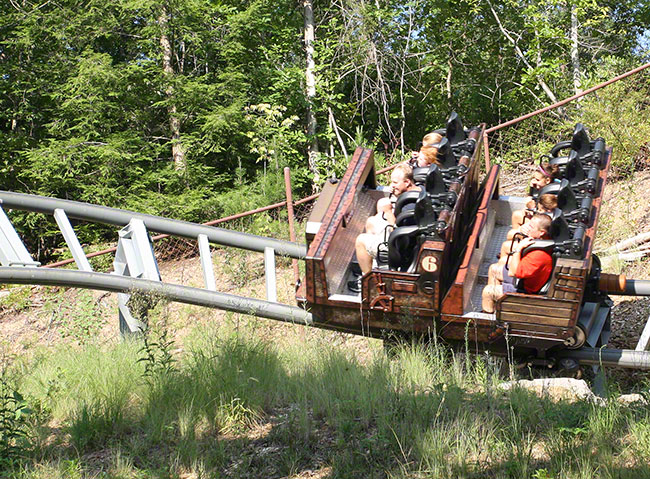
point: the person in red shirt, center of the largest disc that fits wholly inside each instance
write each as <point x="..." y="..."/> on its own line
<point x="534" y="268"/>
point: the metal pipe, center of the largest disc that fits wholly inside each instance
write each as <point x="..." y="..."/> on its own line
<point x="567" y="100"/>
<point x="618" y="284"/>
<point x="185" y="229"/>
<point x="292" y="230"/>
<point x="637" y="287"/>
<point x="174" y="292"/>
<point x="623" y="358"/>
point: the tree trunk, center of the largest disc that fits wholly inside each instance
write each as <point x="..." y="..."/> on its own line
<point x="178" y="152"/>
<point x="575" y="59"/>
<point x="448" y="83"/>
<point x="522" y="56"/>
<point x="310" y="80"/>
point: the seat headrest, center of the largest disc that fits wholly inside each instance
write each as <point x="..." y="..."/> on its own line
<point x="435" y="183"/>
<point x="455" y="131"/>
<point x="425" y="215"/>
<point x="551" y="189"/>
<point x="580" y="142"/>
<point x="446" y="157"/>
<point x="408" y="197"/>
<point x="566" y="198"/>
<point x="420" y="174"/>
<point x="560" y="229"/>
<point x="574" y="171"/>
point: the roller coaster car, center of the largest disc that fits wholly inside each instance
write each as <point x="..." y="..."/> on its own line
<point x="436" y="266"/>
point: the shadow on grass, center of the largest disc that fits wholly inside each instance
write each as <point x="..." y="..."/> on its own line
<point x="239" y="408"/>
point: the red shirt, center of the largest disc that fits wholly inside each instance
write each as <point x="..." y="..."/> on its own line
<point x="535" y="268"/>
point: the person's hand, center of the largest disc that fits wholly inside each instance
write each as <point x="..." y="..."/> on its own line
<point x="524" y="243"/>
<point x="530" y="204"/>
<point x="525" y="229"/>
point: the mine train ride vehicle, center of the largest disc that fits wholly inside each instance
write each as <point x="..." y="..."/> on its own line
<point x="430" y="272"/>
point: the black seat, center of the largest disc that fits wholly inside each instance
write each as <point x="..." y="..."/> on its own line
<point x="405" y="199"/>
<point x="588" y="152"/>
<point x="446" y="157"/>
<point x="420" y="175"/>
<point x="455" y="132"/>
<point x="574" y="209"/>
<point x="404" y="240"/>
<point x="584" y="182"/>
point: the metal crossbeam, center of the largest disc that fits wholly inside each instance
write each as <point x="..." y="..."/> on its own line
<point x="206" y="263"/>
<point x="12" y="249"/>
<point x="269" y="270"/>
<point x="642" y="345"/>
<point x="135" y="258"/>
<point x="71" y="240"/>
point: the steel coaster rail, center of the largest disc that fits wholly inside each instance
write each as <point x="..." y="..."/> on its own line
<point x="174" y="292"/>
<point x="184" y="229"/>
<point x="623" y="358"/>
<point x="280" y="312"/>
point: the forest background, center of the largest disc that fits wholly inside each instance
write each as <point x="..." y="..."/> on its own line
<point x="191" y="108"/>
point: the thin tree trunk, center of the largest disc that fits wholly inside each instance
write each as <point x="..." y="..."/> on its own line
<point x="521" y="55"/>
<point x="178" y="152"/>
<point x="575" y="59"/>
<point x="310" y="80"/>
<point x="335" y="128"/>
<point x="449" y="71"/>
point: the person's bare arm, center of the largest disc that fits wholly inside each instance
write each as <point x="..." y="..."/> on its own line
<point x="515" y="257"/>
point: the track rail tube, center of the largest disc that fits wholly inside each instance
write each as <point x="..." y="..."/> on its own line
<point x="174" y="292"/>
<point x="185" y="229"/>
<point x="637" y="287"/>
<point x="622" y="358"/>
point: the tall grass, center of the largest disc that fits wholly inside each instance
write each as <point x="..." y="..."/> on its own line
<point x="239" y="405"/>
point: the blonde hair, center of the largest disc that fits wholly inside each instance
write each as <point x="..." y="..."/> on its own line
<point x="431" y="138"/>
<point x="430" y="154"/>
<point x="406" y="170"/>
<point x="543" y="222"/>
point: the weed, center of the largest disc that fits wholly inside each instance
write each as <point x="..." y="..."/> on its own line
<point x="13" y="415"/>
<point x="80" y="319"/>
<point x="16" y="299"/>
<point x="156" y="350"/>
<point x="143" y="303"/>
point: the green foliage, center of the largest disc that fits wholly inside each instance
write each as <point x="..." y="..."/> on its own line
<point x="236" y="404"/>
<point x="156" y="354"/>
<point x="13" y="420"/>
<point x="18" y="299"/>
<point x="88" y="103"/>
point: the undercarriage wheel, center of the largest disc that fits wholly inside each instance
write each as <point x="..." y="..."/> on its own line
<point x="577" y="340"/>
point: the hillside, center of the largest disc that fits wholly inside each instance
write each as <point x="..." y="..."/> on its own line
<point x="214" y="394"/>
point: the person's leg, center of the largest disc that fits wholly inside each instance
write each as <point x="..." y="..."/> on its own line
<point x="385" y="210"/>
<point x="490" y="295"/>
<point x="375" y="225"/>
<point x="518" y="218"/>
<point x="495" y="274"/>
<point x="363" y="257"/>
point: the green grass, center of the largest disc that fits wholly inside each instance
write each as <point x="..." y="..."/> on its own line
<point x="237" y="405"/>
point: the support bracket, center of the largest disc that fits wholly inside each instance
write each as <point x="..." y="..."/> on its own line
<point x="135" y="258"/>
